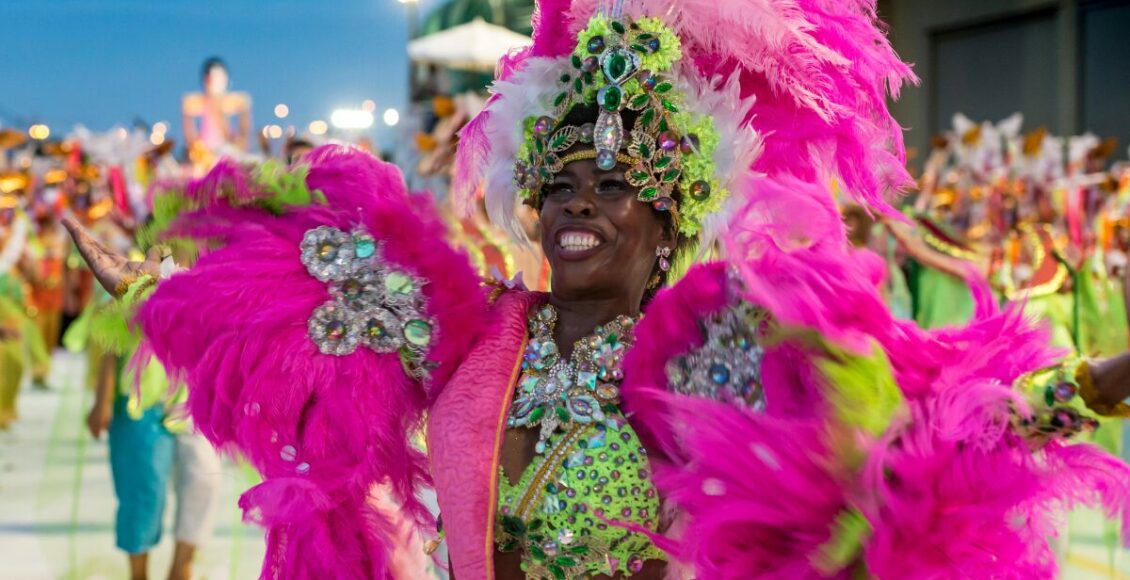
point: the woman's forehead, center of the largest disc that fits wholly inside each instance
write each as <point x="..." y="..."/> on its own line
<point x="583" y="167"/>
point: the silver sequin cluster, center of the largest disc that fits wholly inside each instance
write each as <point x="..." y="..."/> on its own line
<point x="372" y="304"/>
<point x="727" y="367"/>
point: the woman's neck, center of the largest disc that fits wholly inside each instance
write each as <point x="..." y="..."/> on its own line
<point x="577" y="319"/>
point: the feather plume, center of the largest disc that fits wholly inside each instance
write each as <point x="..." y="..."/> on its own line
<point x="323" y="430"/>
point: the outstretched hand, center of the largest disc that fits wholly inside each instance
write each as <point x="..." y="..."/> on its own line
<point x="113" y="271"/>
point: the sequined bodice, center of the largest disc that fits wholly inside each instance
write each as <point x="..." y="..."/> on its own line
<point x="559" y="513"/>
<point x="590" y="470"/>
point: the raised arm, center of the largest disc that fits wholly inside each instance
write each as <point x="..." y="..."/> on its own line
<point x="927" y="256"/>
<point x="113" y="271"/>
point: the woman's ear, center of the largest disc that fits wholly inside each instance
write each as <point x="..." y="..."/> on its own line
<point x="669" y="237"/>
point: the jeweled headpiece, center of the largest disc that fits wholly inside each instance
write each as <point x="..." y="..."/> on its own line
<point x="622" y="65"/>
<point x="702" y="101"/>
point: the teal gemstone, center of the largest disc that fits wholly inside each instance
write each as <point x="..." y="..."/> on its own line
<point x="365" y="247"/>
<point x="530" y="384"/>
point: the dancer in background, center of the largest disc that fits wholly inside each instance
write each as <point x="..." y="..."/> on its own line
<point x="208" y="131"/>
<point x="18" y="333"/>
<point x="154" y="450"/>
<point x="45" y="265"/>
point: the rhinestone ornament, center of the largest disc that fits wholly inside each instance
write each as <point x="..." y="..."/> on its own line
<point x="553" y="392"/>
<point x="727" y="367"/>
<point x="372" y="303"/>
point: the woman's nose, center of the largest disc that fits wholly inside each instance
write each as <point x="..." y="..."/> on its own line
<point x="582" y="204"/>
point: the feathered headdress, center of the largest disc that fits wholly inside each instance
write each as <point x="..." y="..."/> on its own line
<point x="718" y="94"/>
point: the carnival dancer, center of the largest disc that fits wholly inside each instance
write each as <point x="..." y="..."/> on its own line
<point x="214" y="107"/>
<point x="767" y="417"/>
<point x="46" y="262"/>
<point x="154" y="449"/>
<point x="18" y="332"/>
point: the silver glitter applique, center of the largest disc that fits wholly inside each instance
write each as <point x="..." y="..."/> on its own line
<point x="372" y="303"/>
<point x="727" y="367"/>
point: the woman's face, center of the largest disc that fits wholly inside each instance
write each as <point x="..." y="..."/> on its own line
<point x="216" y="81"/>
<point x="599" y="239"/>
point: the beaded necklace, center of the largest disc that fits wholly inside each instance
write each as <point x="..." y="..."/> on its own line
<point x="554" y="392"/>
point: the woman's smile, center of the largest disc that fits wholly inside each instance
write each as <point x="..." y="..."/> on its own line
<point x="575" y="243"/>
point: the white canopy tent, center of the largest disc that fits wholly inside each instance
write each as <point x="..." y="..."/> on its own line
<point x="474" y="46"/>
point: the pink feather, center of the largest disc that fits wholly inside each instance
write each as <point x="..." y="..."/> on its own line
<point x="552" y="33"/>
<point x="322" y="430"/>
<point x="760" y="496"/>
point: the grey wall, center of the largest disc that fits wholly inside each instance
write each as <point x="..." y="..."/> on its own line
<point x="1105" y="70"/>
<point x="1064" y="63"/>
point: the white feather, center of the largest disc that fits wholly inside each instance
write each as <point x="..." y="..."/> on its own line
<point x="529" y="92"/>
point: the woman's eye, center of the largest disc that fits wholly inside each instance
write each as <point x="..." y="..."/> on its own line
<point x="558" y="189"/>
<point x="612" y="187"/>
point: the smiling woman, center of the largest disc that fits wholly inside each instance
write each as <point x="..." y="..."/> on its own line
<point x="763" y="416"/>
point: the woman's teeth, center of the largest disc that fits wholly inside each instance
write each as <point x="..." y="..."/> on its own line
<point x="578" y="242"/>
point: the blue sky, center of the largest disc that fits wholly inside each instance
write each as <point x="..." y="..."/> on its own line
<point x="107" y="62"/>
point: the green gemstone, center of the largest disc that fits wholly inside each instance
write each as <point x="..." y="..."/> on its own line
<point x="576" y="61"/>
<point x="611" y="97"/>
<point x="670" y="106"/>
<point x="647" y="117"/>
<point x="664" y="87"/>
<point x="537" y="552"/>
<point x="671" y="175"/>
<point x="618" y="27"/>
<point x="641" y="175"/>
<point x="560" y="98"/>
<point x="535" y="525"/>
<point x="579" y="550"/>
<point x="537" y="414"/>
<point x="513" y="526"/>
<point x="648" y="193"/>
<point x="565" y="561"/>
<point x="616" y="67"/>
<point x="578" y="86"/>
<point x="418" y="332"/>
<point x="639" y="48"/>
<point x="662" y="162"/>
<point x="618" y="64"/>
<point x="639" y="101"/>
<point x="562" y="414"/>
<point x="1049" y="395"/>
<point x="399" y="284"/>
<point x="645" y="151"/>
<point x="557" y="571"/>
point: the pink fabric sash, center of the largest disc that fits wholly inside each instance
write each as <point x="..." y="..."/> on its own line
<point x="465" y="431"/>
